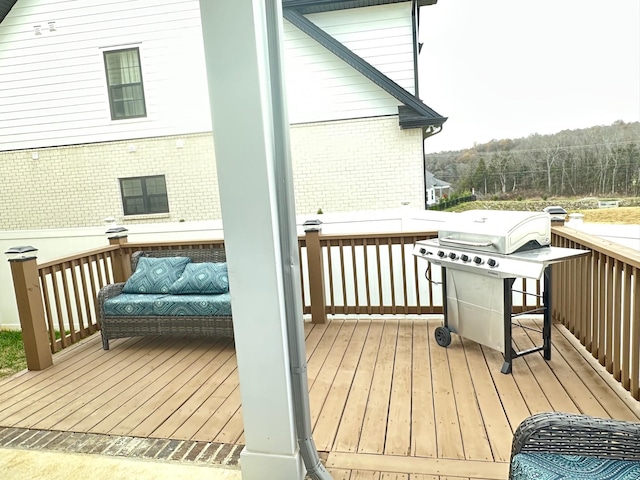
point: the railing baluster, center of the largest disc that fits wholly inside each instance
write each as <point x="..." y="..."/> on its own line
<point x="626" y="328"/>
<point x="591" y="304"/>
<point x="617" y="321"/>
<point x="602" y="311"/>
<point x="77" y="298"/>
<point x="342" y="276"/>
<point x="56" y="296"/>
<point x="365" y="247"/>
<point x="355" y="274"/>
<point x="47" y="306"/>
<point x="379" y="265"/>
<point x="91" y="266"/>
<point x="67" y="299"/>
<point x="634" y="338"/>
<point x="391" y="276"/>
<point x="609" y="315"/>
<point x="404" y="276"/>
<point x="85" y="294"/>
<point x="332" y="302"/>
<point x="416" y="280"/>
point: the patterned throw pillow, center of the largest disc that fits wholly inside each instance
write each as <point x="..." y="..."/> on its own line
<point x="155" y="275"/>
<point x="203" y="278"/>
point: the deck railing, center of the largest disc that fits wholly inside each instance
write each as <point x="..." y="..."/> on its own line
<point x="596" y="296"/>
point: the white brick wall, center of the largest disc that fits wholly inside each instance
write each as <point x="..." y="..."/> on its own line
<point x="364" y="164"/>
<point x="338" y="166"/>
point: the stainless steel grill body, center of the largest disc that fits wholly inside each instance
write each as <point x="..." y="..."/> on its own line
<point x="479" y="299"/>
<point x="496" y="231"/>
<point x="481" y="253"/>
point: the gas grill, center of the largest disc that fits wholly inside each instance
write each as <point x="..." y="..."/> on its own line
<point x="481" y="254"/>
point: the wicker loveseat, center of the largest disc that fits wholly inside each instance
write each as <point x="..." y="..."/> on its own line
<point x="138" y="309"/>
<point x="569" y="446"/>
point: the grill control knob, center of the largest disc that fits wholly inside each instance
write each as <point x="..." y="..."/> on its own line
<point x="477" y="260"/>
<point x="441" y="254"/>
<point x="465" y="258"/>
<point x="492" y="263"/>
<point x="423" y="251"/>
<point x="453" y="256"/>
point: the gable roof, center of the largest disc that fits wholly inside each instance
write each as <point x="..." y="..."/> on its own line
<point x="5" y="6"/>
<point x="431" y="181"/>
<point x="413" y="113"/>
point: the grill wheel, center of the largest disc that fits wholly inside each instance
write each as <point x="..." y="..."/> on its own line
<point x="443" y="336"/>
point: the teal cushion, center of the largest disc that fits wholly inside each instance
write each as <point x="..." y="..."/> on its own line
<point x="193" y="305"/>
<point x="155" y="275"/>
<point x="548" y="466"/>
<point x="131" y="304"/>
<point x="202" y="278"/>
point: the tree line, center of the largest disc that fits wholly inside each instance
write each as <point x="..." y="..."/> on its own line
<point x="596" y="161"/>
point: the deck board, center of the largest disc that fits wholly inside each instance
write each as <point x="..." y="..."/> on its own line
<point x="331" y="414"/>
<point x="354" y="410"/>
<point x="494" y="417"/>
<point x="472" y="427"/>
<point x="423" y="431"/>
<point x="387" y="402"/>
<point x="449" y="437"/>
<point x="376" y="415"/>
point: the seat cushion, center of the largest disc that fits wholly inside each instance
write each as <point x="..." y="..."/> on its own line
<point x="131" y="304"/>
<point x="193" y="305"/>
<point x="202" y="278"/>
<point x="155" y="275"/>
<point x="547" y="466"/>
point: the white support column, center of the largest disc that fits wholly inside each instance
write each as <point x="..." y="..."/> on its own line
<point x="235" y="40"/>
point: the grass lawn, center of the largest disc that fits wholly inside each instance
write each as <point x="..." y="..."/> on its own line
<point x="12" y="357"/>
<point x="620" y="215"/>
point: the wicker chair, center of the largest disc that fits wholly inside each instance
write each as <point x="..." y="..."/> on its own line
<point x="581" y="436"/>
<point x="132" y="326"/>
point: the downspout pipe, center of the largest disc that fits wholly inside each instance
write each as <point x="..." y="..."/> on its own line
<point x="426" y="133"/>
<point x="289" y="247"/>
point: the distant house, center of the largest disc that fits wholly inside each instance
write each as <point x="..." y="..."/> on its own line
<point x="104" y="110"/>
<point x="436" y="188"/>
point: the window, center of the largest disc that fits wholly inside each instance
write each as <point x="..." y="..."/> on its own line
<point x="144" y="195"/>
<point x="124" y="80"/>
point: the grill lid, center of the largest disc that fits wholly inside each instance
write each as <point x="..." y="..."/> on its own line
<point x="497" y="231"/>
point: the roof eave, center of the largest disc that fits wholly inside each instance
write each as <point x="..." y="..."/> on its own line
<point x="5" y="8"/>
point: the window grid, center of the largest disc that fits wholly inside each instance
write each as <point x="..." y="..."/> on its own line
<point x="124" y="81"/>
<point x="144" y="195"/>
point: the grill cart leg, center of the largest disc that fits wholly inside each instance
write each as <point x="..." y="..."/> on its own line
<point x="546" y="328"/>
<point x="509" y="354"/>
<point x="443" y="334"/>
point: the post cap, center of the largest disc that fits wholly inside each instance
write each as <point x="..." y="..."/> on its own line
<point x="116" y="230"/>
<point x="555" y="210"/>
<point x="312" y="225"/>
<point x="23" y="252"/>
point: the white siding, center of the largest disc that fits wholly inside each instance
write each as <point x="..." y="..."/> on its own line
<point x="382" y="35"/>
<point x="53" y="88"/>
<point x="321" y="87"/>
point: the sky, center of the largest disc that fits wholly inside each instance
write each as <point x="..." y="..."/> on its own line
<point x="511" y="68"/>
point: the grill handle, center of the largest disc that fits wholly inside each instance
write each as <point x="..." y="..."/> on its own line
<point x="464" y="243"/>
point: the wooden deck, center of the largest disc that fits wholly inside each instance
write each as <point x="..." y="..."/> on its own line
<point x="386" y="401"/>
